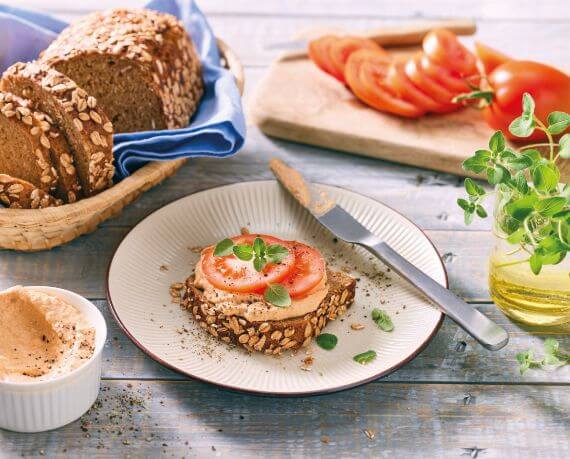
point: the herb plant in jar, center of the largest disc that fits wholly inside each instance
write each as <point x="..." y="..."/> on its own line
<point x="529" y="270"/>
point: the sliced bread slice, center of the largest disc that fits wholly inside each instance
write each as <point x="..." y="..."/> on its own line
<point x="19" y="194"/>
<point x="25" y="144"/>
<point x="68" y="187"/>
<point x="140" y="64"/>
<point x="84" y="124"/>
<point x="271" y="337"/>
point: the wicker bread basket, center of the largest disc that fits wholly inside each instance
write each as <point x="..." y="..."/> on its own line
<point x="40" y="229"/>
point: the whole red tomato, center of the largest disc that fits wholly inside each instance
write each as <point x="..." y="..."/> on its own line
<point x="549" y="87"/>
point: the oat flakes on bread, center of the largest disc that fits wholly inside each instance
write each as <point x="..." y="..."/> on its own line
<point x="84" y="124"/>
<point x="140" y="65"/>
<point x="16" y="193"/>
<point x="25" y="143"/>
<point x="271" y="337"/>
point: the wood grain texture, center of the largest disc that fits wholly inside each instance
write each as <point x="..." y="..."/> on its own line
<point x="452" y="356"/>
<point x="188" y="419"/>
<point x="412" y="414"/>
<point x="81" y="265"/>
<point x="549" y="10"/>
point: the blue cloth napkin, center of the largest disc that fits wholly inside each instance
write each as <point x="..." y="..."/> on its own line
<point x="217" y="128"/>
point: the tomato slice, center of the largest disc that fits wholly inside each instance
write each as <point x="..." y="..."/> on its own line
<point x="427" y="84"/>
<point x="308" y="271"/>
<point x="319" y="52"/>
<point x="341" y="49"/>
<point x="439" y="73"/>
<point x="443" y="48"/>
<point x="404" y="88"/>
<point x="365" y="74"/>
<point x="231" y="274"/>
<point x="489" y="58"/>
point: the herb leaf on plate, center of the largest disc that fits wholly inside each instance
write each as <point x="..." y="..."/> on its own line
<point x="365" y="357"/>
<point x="382" y="319"/>
<point x="327" y="341"/>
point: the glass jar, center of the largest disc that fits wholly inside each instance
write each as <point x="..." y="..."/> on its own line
<point x="542" y="299"/>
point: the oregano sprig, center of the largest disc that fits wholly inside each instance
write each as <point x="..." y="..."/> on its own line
<point x="261" y="254"/>
<point x="535" y="209"/>
<point x="553" y="356"/>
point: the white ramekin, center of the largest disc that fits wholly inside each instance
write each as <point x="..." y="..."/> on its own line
<point x="45" y="405"/>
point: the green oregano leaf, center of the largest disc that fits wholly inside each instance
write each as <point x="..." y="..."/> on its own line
<point x="382" y="319"/>
<point x="536" y="263"/>
<point x="464" y="204"/>
<point x="471" y="187"/>
<point x="497" y="142"/>
<point x="277" y="295"/>
<point x="517" y="236"/>
<point x="259" y="247"/>
<point x="224" y="248"/>
<point x="478" y="162"/>
<point x="327" y="341"/>
<point x="520" y="162"/>
<point x="545" y="177"/>
<point x="520" y="183"/>
<point x="520" y="208"/>
<point x="481" y="212"/>
<point x="550" y="206"/>
<point x="533" y="155"/>
<point x="276" y="253"/>
<point x="497" y="174"/>
<point x="243" y="252"/>
<point x="259" y="263"/>
<point x="365" y="357"/>
<point x="558" y="122"/>
<point x="522" y="127"/>
<point x="528" y="105"/>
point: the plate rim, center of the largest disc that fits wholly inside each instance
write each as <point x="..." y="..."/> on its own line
<point x="266" y="393"/>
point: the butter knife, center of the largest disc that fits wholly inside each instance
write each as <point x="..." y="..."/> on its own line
<point x="345" y="227"/>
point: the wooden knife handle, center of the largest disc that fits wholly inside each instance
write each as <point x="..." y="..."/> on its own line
<point x="399" y="35"/>
<point x="413" y="34"/>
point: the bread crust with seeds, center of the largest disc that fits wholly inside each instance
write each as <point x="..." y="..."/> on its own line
<point x="271" y="337"/>
<point x="16" y="193"/>
<point x="68" y="188"/>
<point x="140" y="64"/>
<point x="25" y="143"/>
<point x="84" y="124"/>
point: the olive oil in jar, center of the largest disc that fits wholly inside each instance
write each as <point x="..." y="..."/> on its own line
<point x="542" y="300"/>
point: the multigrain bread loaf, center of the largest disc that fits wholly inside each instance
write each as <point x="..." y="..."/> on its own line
<point x="139" y="64"/>
<point x="25" y="143"/>
<point x="85" y="125"/>
<point x="271" y="337"/>
<point x="19" y="194"/>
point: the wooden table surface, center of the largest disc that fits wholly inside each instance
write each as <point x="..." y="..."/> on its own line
<point x="454" y="400"/>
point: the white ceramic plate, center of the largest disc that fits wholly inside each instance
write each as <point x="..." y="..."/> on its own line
<point x="158" y="252"/>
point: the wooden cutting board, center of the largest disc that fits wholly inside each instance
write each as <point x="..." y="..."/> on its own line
<point x="297" y="101"/>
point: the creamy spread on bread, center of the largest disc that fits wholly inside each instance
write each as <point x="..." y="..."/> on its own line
<point x="252" y="306"/>
<point x="42" y="336"/>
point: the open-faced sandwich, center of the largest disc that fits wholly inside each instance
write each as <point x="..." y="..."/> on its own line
<point x="264" y="293"/>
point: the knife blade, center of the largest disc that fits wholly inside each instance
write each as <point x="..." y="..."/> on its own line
<point x="344" y="226"/>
